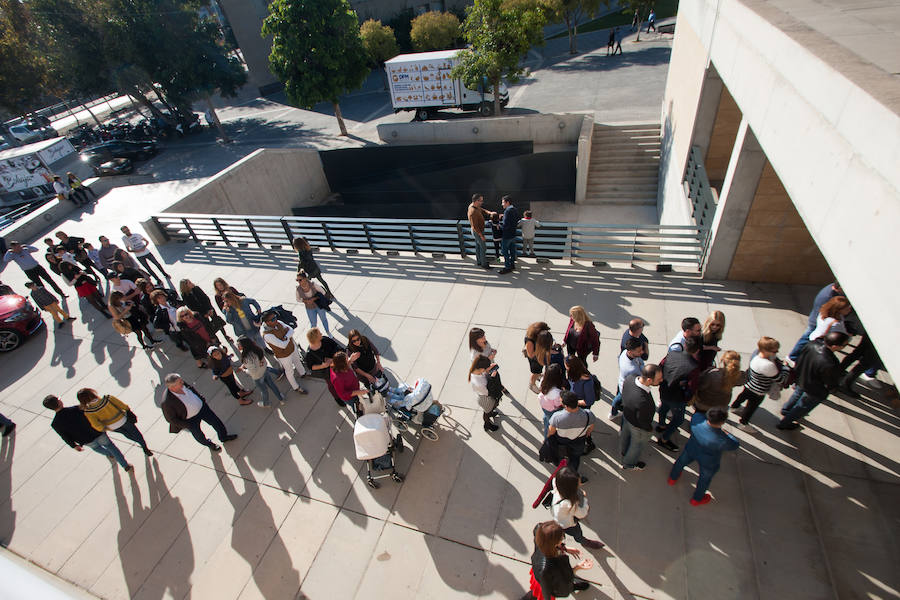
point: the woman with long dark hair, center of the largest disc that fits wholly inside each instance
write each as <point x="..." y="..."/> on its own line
<point x="367" y="362"/>
<point x="120" y="308"/>
<point x="307" y="263"/>
<point x="480" y="373"/>
<point x="570" y="504"/>
<point x="253" y="361"/>
<point x="550" y="396"/>
<point x="197" y="300"/>
<point x="551" y="574"/>
<point x="530" y="353"/>
<point x="479" y="346"/>
<point x="84" y="286"/>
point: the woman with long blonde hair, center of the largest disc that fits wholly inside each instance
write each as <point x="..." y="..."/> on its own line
<point x="713" y="328"/>
<point x="581" y="336"/>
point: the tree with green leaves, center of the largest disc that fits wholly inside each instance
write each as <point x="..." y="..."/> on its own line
<point x="379" y="41"/>
<point x="434" y="30"/>
<point x="499" y="36"/>
<point x="316" y="51"/>
<point x="641" y="7"/>
<point x="23" y="71"/>
<point x="571" y="12"/>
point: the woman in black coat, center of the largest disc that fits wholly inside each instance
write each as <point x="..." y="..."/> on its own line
<point x="551" y="573"/>
<point x="197" y="300"/>
<point x="307" y="263"/>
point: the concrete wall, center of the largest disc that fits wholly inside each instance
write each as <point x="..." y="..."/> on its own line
<point x="562" y="129"/>
<point x="245" y="18"/>
<point x="583" y="159"/>
<point x="266" y="182"/>
<point x="721" y="142"/>
<point x="829" y="125"/>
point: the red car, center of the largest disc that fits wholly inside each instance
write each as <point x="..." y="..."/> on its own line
<point x="18" y="320"/>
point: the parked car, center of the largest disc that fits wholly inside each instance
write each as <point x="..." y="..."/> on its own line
<point x="18" y="320"/>
<point x="117" y="166"/>
<point x="27" y="135"/>
<point x="107" y="151"/>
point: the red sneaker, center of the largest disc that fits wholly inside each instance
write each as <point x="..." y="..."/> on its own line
<point x="671" y="481"/>
<point x="705" y="500"/>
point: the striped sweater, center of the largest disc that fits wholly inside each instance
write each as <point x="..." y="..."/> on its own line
<point x="765" y="375"/>
<point x="106" y="413"/>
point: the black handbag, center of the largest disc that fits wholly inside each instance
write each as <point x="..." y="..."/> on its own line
<point x="549" y="451"/>
<point x="216" y="323"/>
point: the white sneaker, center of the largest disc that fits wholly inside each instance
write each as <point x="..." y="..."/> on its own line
<point x="614" y="416"/>
<point x="872" y="381"/>
<point x="747" y="428"/>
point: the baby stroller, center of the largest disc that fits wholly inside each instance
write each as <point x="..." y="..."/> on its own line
<point x="373" y="442"/>
<point x="415" y="405"/>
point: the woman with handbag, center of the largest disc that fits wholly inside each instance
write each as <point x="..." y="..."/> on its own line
<point x="480" y="373"/>
<point x="551" y="575"/>
<point x="479" y="346"/>
<point x="307" y="263"/>
<point x="581" y="336"/>
<point x="129" y="318"/>
<point x="223" y="370"/>
<point x="221" y="286"/>
<point x="314" y="299"/>
<point x="569" y="504"/>
<point x="194" y="329"/>
<point x="367" y="364"/>
<point x="108" y="413"/>
<point x="197" y="300"/>
<point x="530" y="353"/>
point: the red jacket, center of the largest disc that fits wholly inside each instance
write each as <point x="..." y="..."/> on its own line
<point x="588" y="341"/>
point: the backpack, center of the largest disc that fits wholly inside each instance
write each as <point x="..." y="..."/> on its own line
<point x="598" y="389"/>
<point x="284" y="315"/>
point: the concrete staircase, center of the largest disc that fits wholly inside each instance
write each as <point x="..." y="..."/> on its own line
<point x="624" y="167"/>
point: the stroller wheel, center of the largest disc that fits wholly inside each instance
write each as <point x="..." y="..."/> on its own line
<point x="429" y="433"/>
<point x="401" y="425"/>
<point x="398" y="443"/>
<point x="372" y="483"/>
<point x="397" y="477"/>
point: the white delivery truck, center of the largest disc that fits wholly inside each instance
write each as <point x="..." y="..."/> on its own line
<point x="422" y="83"/>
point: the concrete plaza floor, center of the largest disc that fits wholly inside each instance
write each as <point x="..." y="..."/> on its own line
<point x="284" y="510"/>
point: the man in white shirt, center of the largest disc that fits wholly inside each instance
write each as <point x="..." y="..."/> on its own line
<point x="630" y="362"/>
<point x="126" y="286"/>
<point x="183" y="407"/>
<point x="280" y="338"/>
<point x="63" y="191"/>
<point x="690" y="327"/>
<point x="140" y="247"/>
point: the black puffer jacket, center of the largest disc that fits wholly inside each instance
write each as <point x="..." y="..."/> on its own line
<point x="818" y="370"/>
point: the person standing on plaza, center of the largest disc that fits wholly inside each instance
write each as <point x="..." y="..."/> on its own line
<point x="48" y="302"/>
<point x="94" y="256"/>
<point x="315" y="301"/>
<point x="84" y="286"/>
<point x="221" y="286"/>
<point x="21" y="255"/>
<point x="165" y="318"/>
<point x="711" y="331"/>
<point x="319" y="356"/>
<point x="630" y="363"/>
<point x="197" y="300"/>
<point x="765" y="375"/>
<point x="127" y="310"/>
<point x="573" y="427"/>
<point x="253" y="361"/>
<point x="107" y="253"/>
<point x="74" y="246"/>
<point x="242" y="314"/>
<point x="108" y="413"/>
<point x="680" y="373"/>
<point x="280" y="338"/>
<point x="223" y="370"/>
<point x="480" y="374"/>
<point x="825" y="294"/>
<point x="307" y="263"/>
<point x="344" y="381"/>
<point x="530" y="353"/>
<point x="496" y="234"/>
<point x="477" y="215"/>
<point x="618" y="36"/>
<point x="637" y="415"/>
<point x="581" y="382"/>
<point x="550" y="396"/>
<point x="690" y="328"/>
<point x="651" y="20"/>
<point x="551" y="575"/>
<point x="611" y="42"/>
<point x="716" y="384"/>
<point x="479" y="346"/>
<point x="818" y="374"/>
<point x="184" y="408"/>
<point x="195" y="332"/>
<point x="510" y="224"/>
<point x="707" y="443"/>
<point x="73" y="427"/>
<point x="581" y="336"/>
<point x="636" y="330"/>
<point x="569" y="505"/>
<point x="528" y="224"/>
<point x="140" y="247"/>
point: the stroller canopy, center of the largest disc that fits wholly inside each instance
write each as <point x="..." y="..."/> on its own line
<point x="372" y="436"/>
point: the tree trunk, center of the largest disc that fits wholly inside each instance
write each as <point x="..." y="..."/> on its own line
<point x="90" y="112"/>
<point x="640" y="25"/>
<point x="137" y="93"/>
<point x="340" y="118"/>
<point x="497" y="107"/>
<point x="215" y="117"/>
<point x="572" y="28"/>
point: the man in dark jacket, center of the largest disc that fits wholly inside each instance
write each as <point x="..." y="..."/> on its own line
<point x="680" y="373"/>
<point x="637" y="415"/>
<point x="508" y="244"/>
<point x="75" y="430"/>
<point x="818" y="372"/>
<point x="184" y="408"/>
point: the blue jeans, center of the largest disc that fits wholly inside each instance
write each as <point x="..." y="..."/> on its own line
<point x="706" y="472"/>
<point x="801" y="343"/>
<point x="792" y="401"/>
<point x="315" y="313"/>
<point x="508" y="250"/>
<point x="264" y="383"/>
<point x="616" y="403"/>
<point x="207" y="415"/>
<point x="632" y="441"/>
<point x="547" y="415"/>
<point x="130" y="431"/>
<point x="481" y="252"/>
<point x="675" y="422"/>
<point x="103" y="445"/>
<point x="799" y="408"/>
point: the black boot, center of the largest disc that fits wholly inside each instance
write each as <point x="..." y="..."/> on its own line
<point x="846" y="385"/>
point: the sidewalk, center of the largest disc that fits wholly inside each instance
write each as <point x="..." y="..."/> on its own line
<point x="804" y="514"/>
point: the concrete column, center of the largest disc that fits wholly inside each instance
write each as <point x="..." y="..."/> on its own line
<point x="707" y="109"/>
<point x="741" y="180"/>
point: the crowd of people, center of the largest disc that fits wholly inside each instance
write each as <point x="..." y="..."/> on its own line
<point x="695" y="374"/>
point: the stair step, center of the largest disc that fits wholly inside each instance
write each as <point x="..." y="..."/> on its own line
<point x="619" y="196"/>
<point x="623" y="178"/>
<point x="622" y="202"/>
<point x="630" y="172"/>
<point x="599" y="188"/>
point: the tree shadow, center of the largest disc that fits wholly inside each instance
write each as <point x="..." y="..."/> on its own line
<point x="598" y="63"/>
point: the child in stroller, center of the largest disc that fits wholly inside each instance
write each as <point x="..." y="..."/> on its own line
<point x="414" y="404"/>
<point x="373" y="442"/>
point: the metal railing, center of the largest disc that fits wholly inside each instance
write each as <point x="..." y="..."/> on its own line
<point x="661" y="244"/>
<point x="699" y="192"/>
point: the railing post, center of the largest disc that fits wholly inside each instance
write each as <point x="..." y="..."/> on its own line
<point x="412" y="239"/>
<point x="368" y="237"/>
<point x="634" y="236"/>
<point x="568" y="249"/>
<point x="159" y="228"/>
<point x="190" y="229"/>
<point x="253" y="232"/>
<point x="220" y="230"/>
<point x="462" y="239"/>
<point x="287" y="232"/>
<point x="328" y="235"/>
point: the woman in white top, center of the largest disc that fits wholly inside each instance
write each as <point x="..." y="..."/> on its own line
<point x="479" y="346"/>
<point x="313" y="297"/>
<point x="480" y="373"/>
<point x="570" y="504"/>
<point x="831" y="317"/>
<point x="550" y="396"/>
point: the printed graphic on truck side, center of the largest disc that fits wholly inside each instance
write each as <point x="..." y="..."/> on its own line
<point x="426" y="83"/>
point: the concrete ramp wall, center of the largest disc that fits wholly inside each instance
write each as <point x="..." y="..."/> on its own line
<point x="266" y="182"/>
<point x="563" y="129"/>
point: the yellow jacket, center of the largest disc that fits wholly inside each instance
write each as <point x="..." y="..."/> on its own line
<point x="104" y="411"/>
